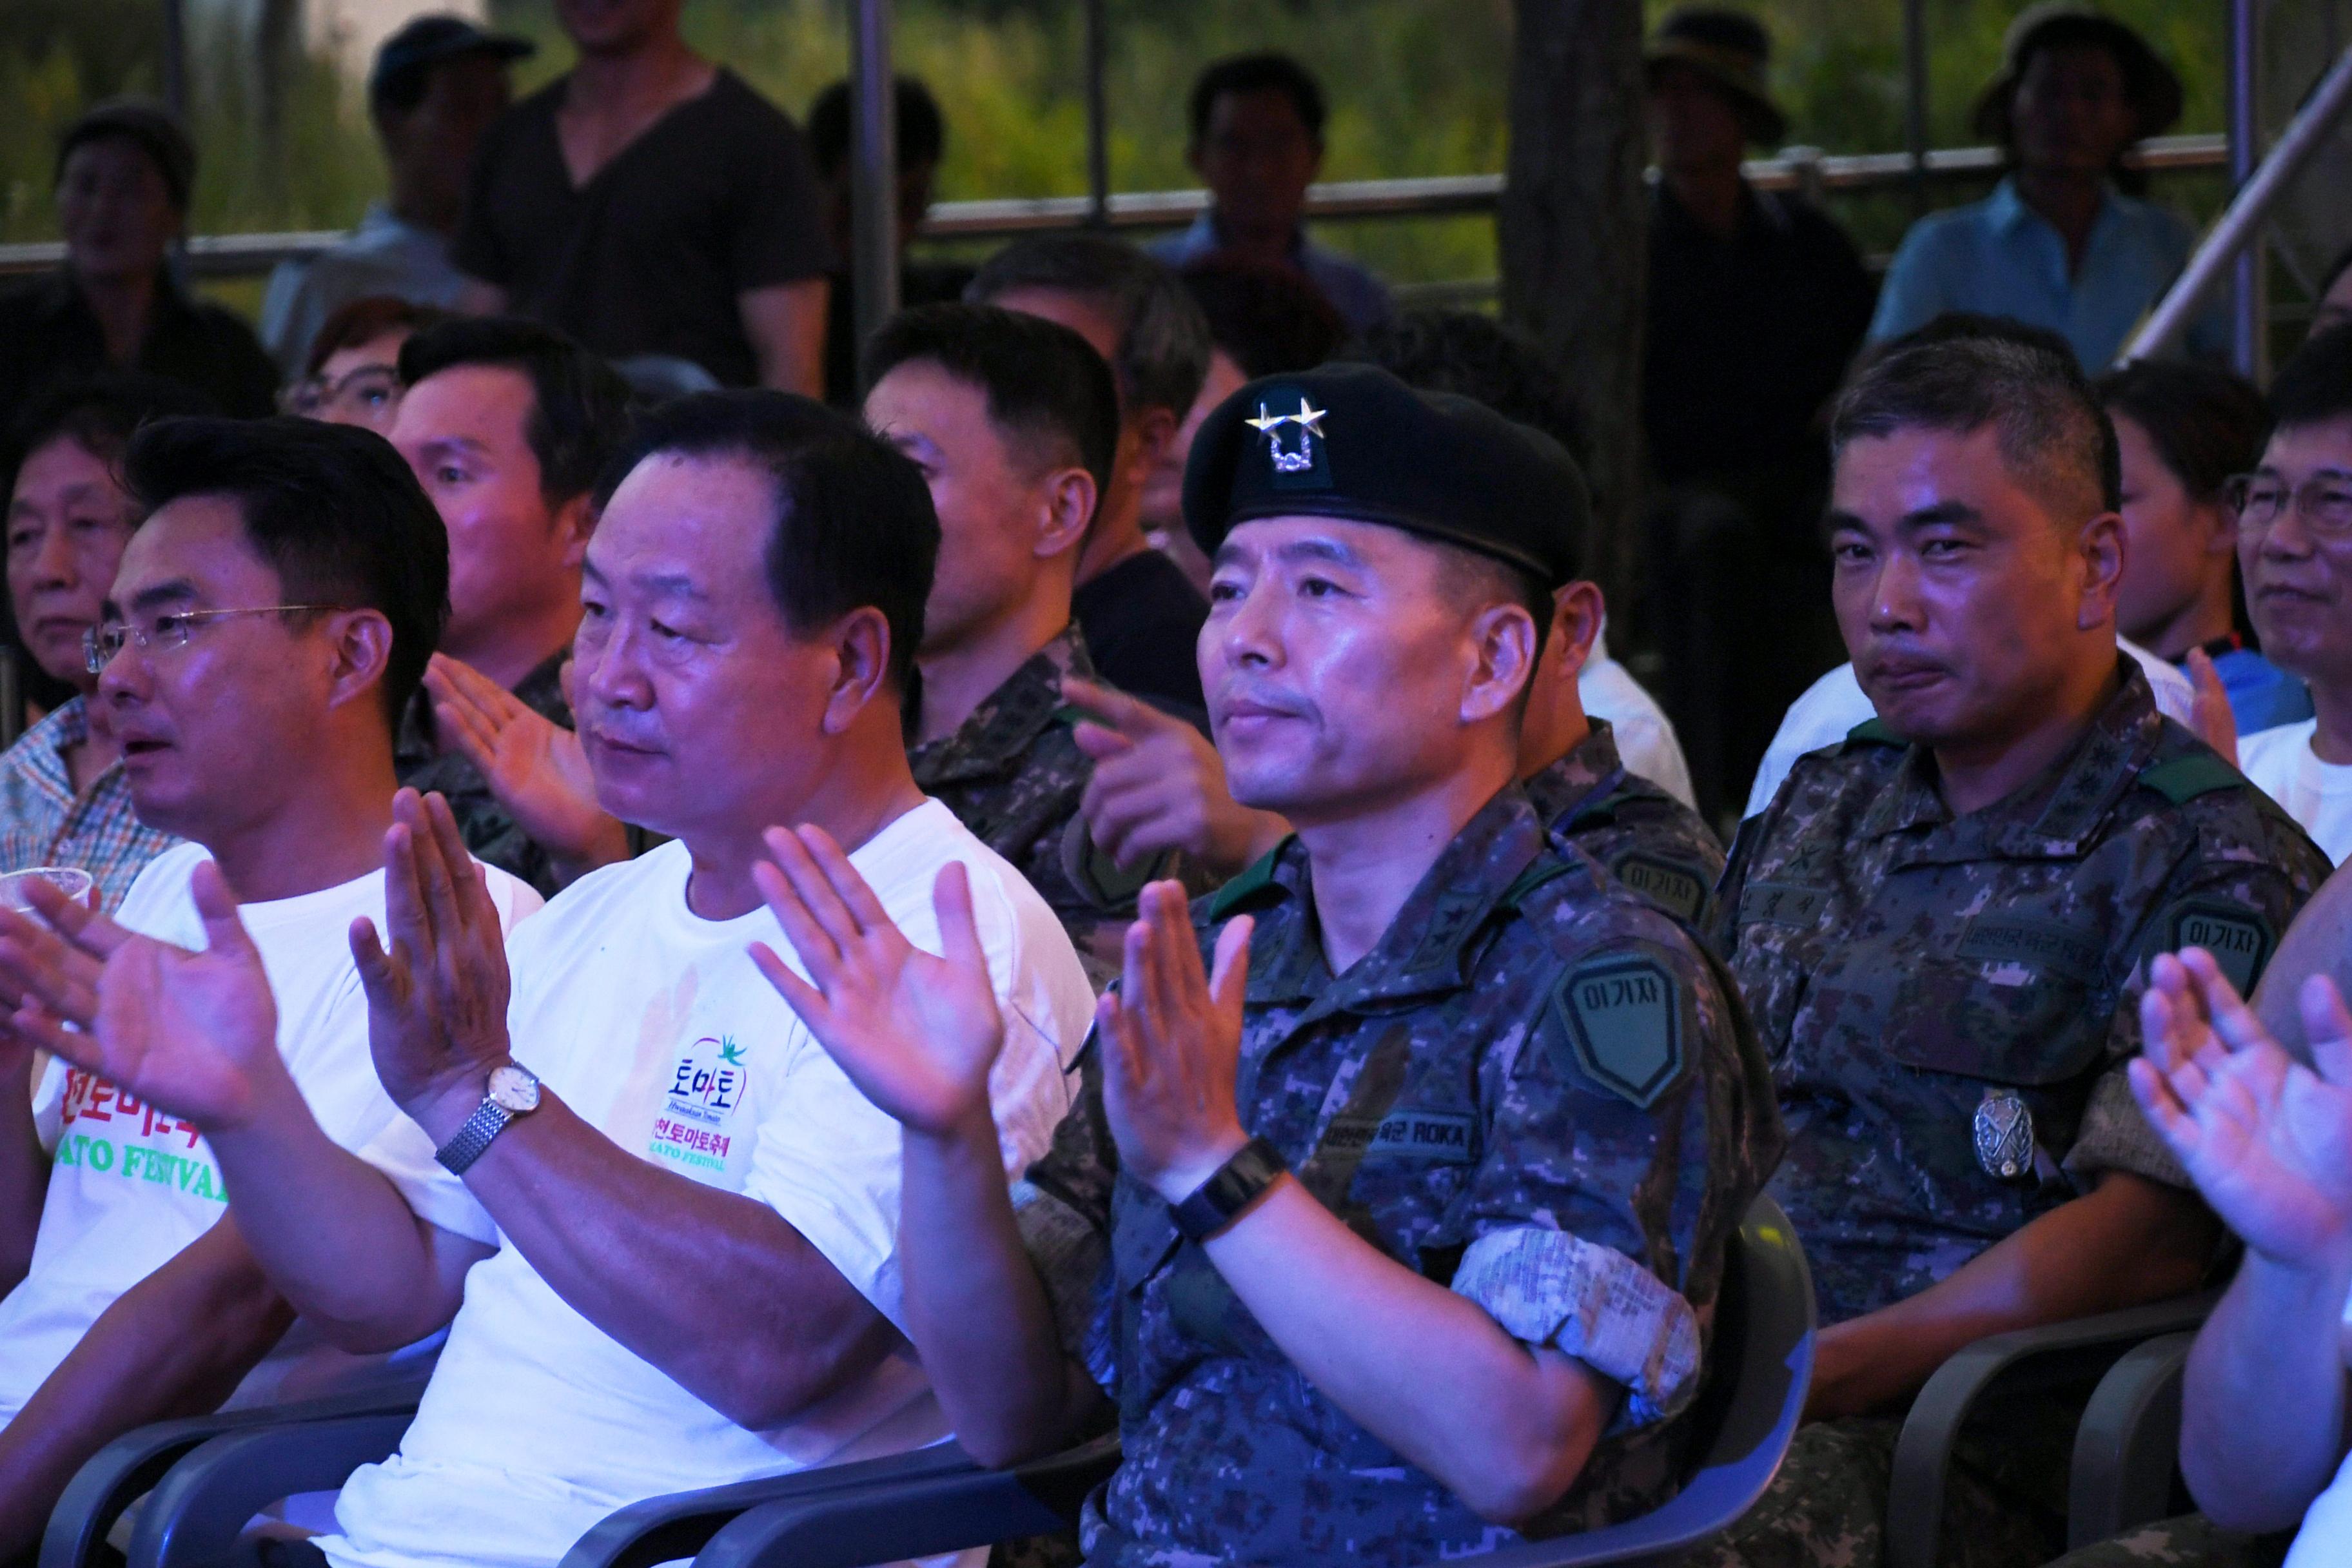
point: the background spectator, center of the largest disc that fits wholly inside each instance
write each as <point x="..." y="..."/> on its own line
<point x="922" y="135"/>
<point x="2184" y="431"/>
<point x="352" y="374"/>
<point x="2057" y="244"/>
<point x="650" y="203"/>
<point x="436" y="86"/>
<point x="1140" y="616"/>
<point x="2335" y="297"/>
<point x="2295" y="547"/>
<point x="63" y="799"/>
<point x="124" y="172"/>
<point x="1257" y="144"/>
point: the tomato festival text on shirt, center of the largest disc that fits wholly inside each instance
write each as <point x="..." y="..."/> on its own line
<point x="90" y="1099"/>
<point x="706" y="1089"/>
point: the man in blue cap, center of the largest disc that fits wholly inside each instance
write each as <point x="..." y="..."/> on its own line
<point x="434" y="88"/>
<point x="1395" y="1203"/>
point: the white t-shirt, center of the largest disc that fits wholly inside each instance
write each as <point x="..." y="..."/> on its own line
<point x="2326" y="1539"/>
<point x="1834" y="704"/>
<point x="654" y="1026"/>
<point x="2315" y="793"/>
<point x="130" y="1186"/>
<point x="1647" y="741"/>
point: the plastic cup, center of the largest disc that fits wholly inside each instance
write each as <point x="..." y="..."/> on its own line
<point x="71" y="880"/>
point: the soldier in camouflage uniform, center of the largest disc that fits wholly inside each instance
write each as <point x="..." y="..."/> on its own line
<point x="508" y="426"/>
<point x="1390" y="1231"/>
<point x="1013" y="421"/>
<point x="1943" y="942"/>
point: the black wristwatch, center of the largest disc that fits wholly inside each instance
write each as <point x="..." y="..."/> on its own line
<point x="1237" y="1184"/>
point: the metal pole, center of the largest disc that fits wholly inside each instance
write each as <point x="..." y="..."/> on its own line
<point x="1914" y="98"/>
<point x="2247" y="314"/>
<point x="2247" y="210"/>
<point x="176" y="57"/>
<point x="874" y="163"/>
<point x="1098" y="119"/>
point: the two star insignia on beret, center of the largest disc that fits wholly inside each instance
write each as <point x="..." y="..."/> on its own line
<point x="1296" y="459"/>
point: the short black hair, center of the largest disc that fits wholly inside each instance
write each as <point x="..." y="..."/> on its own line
<point x="579" y="404"/>
<point x="2316" y="382"/>
<point x="358" y="322"/>
<point x="2051" y="430"/>
<point x="854" y="520"/>
<point x="332" y="509"/>
<point x="1478" y="357"/>
<point x="1271" y="320"/>
<point x="1047" y="387"/>
<point x="1163" y="340"/>
<point x="98" y="414"/>
<point x="921" y="131"/>
<point x="2206" y="423"/>
<point x="1263" y="72"/>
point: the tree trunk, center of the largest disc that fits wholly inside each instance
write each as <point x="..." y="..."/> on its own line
<point x="1573" y="233"/>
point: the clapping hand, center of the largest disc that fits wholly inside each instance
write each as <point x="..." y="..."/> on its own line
<point x="1171" y="1037"/>
<point x="1157" y="785"/>
<point x="917" y="1033"/>
<point x="192" y="1033"/>
<point x="437" y="995"/>
<point x="536" y="768"/>
<point x="2210" y="712"/>
<point x="2267" y="1140"/>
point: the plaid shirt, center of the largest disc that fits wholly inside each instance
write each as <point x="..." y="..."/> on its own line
<point x="44" y="823"/>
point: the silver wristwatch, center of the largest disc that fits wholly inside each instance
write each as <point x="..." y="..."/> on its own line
<point x="513" y="1092"/>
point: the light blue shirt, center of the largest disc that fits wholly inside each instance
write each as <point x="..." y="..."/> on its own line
<point x="1360" y="298"/>
<point x="2001" y="257"/>
<point x="383" y="256"/>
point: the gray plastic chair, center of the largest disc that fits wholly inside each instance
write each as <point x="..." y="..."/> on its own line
<point x="2127" y="1449"/>
<point x="2061" y="1356"/>
<point x="144" y="1462"/>
<point x="938" y="1500"/>
<point x="213" y="1480"/>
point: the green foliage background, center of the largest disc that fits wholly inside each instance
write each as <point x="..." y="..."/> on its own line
<point x="1418" y="87"/>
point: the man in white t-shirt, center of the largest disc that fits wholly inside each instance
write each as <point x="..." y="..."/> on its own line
<point x="2294" y="554"/>
<point x="269" y="617"/>
<point x="663" y="1232"/>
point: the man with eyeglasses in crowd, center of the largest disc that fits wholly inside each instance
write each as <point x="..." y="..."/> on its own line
<point x="2294" y="554"/>
<point x="269" y="622"/>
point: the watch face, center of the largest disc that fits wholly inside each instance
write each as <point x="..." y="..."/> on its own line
<point x="514" y="1088"/>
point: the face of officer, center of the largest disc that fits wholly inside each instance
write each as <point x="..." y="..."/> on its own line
<point x="1975" y="601"/>
<point x="1350" y="666"/>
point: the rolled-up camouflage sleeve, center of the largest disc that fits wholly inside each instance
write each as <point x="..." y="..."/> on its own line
<point x="1596" y="1205"/>
<point x="1063" y="1208"/>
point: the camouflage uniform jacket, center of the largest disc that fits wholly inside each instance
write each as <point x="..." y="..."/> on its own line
<point x="422" y="765"/>
<point x="1919" y="979"/>
<point x="1534" y="1089"/>
<point x="1648" y="840"/>
<point x="1013" y="773"/>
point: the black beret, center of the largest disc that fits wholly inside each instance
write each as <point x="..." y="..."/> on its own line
<point x="1353" y="441"/>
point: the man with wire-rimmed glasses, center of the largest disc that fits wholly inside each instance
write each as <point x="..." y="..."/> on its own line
<point x="268" y="623"/>
<point x="2295" y="555"/>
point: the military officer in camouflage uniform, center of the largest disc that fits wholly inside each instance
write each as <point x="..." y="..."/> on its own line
<point x="1013" y="421"/>
<point x="1393" y="1211"/>
<point x="1942" y="927"/>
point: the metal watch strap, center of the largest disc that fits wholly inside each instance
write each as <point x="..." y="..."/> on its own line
<point x="466" y="1144"/>
<point x="1256" y="1166"/>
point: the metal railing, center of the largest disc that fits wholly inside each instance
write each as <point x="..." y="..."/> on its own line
<point x="1444" y="196"/>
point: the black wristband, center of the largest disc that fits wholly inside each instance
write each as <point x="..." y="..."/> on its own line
<point x="1256" y="1166"/>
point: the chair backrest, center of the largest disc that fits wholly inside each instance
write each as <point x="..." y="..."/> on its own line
<point x="1746" y="1417"/>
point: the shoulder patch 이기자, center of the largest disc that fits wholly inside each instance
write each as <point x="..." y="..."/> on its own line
<point x="1622" y="1020"/>
<point x="2238" y="938"/>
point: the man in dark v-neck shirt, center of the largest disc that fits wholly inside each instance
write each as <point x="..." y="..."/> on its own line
<point x="650" y="203"/>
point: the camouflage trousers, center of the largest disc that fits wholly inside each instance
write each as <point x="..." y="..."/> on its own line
<point x="1827" y="1507"/>
<point x="2191" y="1541"/>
